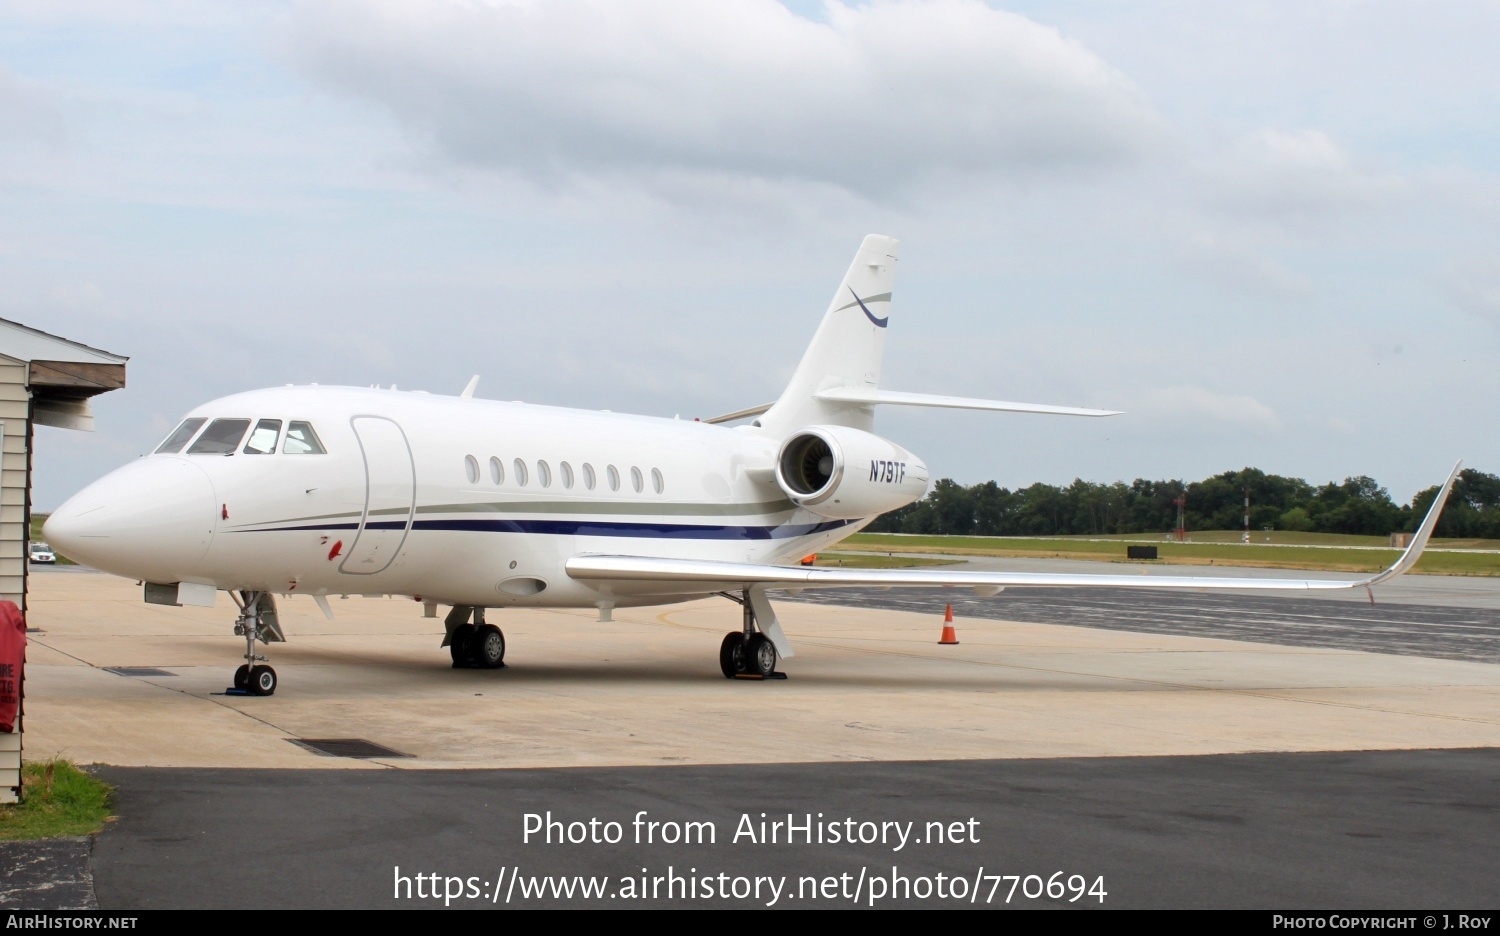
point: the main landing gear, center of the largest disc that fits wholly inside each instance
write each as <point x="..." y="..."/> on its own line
<point x="747" y="653"/>
<point x="473" y="646"/>
<point x="257" y="621"/>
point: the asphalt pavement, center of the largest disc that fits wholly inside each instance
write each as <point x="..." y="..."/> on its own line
<point x="1396" y="830"/>
<point x="1451" y="632"/>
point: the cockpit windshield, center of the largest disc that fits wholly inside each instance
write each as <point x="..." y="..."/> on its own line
<point x="263" y="439"/>
<point x="301" y="440"/>
<point x="221" y="437"/>
<point x="180" y="436"/>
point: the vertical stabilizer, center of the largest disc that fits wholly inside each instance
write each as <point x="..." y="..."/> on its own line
<point x="847" y="349"/>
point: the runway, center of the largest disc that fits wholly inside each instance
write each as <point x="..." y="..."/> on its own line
<point x="1450" y="633"/>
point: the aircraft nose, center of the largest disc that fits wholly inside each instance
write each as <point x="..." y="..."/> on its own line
<point x="152" y="519"/>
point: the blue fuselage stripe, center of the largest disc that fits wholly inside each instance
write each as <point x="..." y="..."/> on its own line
<point x="590" y="528"/>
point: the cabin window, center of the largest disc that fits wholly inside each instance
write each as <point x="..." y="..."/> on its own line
<point x="221" y="437"/>
<point x="543" y="474"/>
<point x="301" y="440"/>
<point x="497" y="471"/>
<point x="614" y="477"/>
<point x="658" y="483"/>
<point x="180" y="436"/>
<point x="263" y="439"/>
<point x="567" y="475"/>
<point x="636" y="480"/>
<point x="471" y="468"/>
<point x="588" y="476"/>
<point x="520" y="467"/>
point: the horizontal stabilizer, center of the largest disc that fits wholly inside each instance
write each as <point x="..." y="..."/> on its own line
<point x="740" y="414"/>
<point x="871" y="396"/>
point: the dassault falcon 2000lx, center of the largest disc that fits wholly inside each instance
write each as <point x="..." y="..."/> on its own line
<point x="478" y="504"/>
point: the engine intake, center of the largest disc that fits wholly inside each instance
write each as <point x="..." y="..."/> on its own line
<point x="807" y="464"/>
<point x="848" y="474"/>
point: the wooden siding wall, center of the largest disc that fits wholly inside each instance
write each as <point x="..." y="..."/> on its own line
<point x="15" y="476"/>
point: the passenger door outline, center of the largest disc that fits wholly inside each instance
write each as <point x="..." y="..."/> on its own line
<point x="390" y="491"/>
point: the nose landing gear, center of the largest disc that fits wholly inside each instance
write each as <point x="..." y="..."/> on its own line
<point x="257" y="621"/>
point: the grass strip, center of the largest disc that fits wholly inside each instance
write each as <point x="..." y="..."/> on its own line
<point x="61" y="800"/>
<point x="872" y="561"/>
<point x="1254" y="555"/>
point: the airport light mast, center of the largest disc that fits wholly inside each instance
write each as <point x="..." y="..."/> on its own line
<point x="1247" y="515"/>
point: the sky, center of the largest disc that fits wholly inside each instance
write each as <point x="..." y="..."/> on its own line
<point x="1267" y="231"/>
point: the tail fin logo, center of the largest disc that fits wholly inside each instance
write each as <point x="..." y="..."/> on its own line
<point x="879" y="322"/>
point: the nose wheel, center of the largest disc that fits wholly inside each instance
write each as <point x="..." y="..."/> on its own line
<point x="256" y="680"/>
<point x="262" y="680"/>
<point x="257" y="621"/>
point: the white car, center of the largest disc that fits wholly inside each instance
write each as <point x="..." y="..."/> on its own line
<point x="41" y="552"/>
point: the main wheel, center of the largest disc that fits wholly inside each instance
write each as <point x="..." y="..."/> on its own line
<point x="242" y="677"/>
<point x="760" y="656"/>
<point x="458" y="645"/>
<point x="487" y="647"/>
<point x="262" y="680"/>
<point x="732" y="654"/>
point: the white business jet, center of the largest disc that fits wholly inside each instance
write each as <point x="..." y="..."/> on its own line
<point x="479" y="504"/>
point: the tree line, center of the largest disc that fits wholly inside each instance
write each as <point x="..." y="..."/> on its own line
<point x="1358" y="505"/>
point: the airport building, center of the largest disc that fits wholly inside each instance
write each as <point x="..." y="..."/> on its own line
<point x="44" y="380"/>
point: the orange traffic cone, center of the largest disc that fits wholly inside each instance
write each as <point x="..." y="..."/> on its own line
<point x="949" y="636"/>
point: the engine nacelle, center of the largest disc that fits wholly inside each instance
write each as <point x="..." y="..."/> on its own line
<point x="848" y="474"/>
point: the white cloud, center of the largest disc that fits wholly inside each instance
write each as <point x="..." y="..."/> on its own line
<point x="85" y="296"/>
<point x="1242" y="269"/>
<point x="28" y="113"/>
<point x="1474" y="287"/>
<point x="643" y="205"/>
<point x="1294" y="175"/>
<point x="876" y="98"/>
<point x="1192" y="407"/>
<point x="148" y="14"/>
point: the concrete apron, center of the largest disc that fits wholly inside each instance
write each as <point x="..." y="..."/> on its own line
<point x="646" y="689"/>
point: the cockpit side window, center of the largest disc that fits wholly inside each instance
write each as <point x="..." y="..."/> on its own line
<point x="180" y="436"/>
<point x="302" y="440"/>
<point x="263" y="439"/>
<point x="221" y="437"/>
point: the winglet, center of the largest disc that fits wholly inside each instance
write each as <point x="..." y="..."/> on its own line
<point x="1423" y="534"/>
<point x="469" y="390"/>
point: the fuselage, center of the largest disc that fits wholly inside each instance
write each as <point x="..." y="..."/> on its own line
<point x="339" y="490"/>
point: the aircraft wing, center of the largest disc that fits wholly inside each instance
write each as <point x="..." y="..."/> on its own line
<point x="663" y="575"/>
